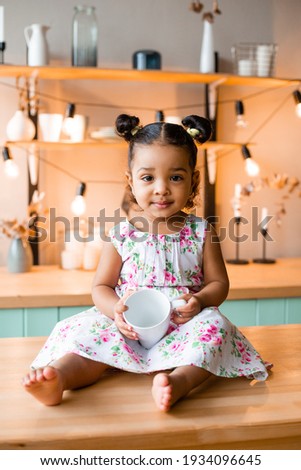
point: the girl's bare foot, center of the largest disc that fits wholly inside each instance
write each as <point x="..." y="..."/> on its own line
<point x="45" y="385"/>
<point x="162" y="391"/>
<point x="169" y="388"/>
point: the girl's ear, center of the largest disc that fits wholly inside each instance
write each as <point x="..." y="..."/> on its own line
<point x="129" y="179"/>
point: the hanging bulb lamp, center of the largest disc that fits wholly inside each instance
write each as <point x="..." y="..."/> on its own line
<point x="297" y="98"/>
<point x="78" y="205"/>
<point x="68" y="119"/>
<point x="251" y="167"/>
<point x="11" y="169"/>
<point x="240" y="115"/>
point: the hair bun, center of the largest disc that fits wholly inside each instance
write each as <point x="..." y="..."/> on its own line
<point x="125" y="125"/>
<point x="198" y="127"/>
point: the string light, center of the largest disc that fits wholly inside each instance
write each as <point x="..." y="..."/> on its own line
<point x="297" y="97"/>
<point x="251" y="167"/>
<point x="68" y="119"/>
<point x="11" y="169"/>
<point x="240" y="115"/>
<point x="78" y="205"/>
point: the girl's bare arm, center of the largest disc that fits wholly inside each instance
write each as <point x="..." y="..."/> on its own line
<point x="106" y="279"/>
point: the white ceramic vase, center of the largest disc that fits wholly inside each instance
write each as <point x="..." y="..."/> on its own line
<point x="207" y="59"/>
<point x="20" y="127"/>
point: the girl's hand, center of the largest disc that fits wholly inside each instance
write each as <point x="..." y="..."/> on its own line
<point x="186" y="312"/>
<point x="122" y="326"/>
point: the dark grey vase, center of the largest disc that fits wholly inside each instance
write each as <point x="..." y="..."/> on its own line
<point x="19" y="259"/>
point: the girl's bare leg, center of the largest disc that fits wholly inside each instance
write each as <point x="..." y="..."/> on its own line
<point x="68" y="373"/>
<point x="169" y="388"/>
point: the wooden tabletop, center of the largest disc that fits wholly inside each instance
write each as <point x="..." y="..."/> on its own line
<point x="118" y="412"/>
<point x="50" y="286"/>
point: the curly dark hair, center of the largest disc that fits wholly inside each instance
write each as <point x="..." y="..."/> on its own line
<point x="194" y="128"/>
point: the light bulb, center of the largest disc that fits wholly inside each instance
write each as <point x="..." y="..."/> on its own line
<point x="78" y="205"/>
<point x="298" y="110"/>
<point x="241" y="123"/>
<point x="297" y="98"/>
<point x="251" y="167"/>
<point x="68" y="122"/>
<point x="11" y="169"/>
<point x="240" y="116"/>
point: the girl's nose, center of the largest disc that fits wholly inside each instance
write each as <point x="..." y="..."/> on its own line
<point x="161" y="187"/>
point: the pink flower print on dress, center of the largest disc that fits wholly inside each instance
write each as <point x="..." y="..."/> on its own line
<point x="212" y="330"/>
<point x="186" y="231"/>
<point x="169" y="277"/>
<point x="217" y="341"/>
<point x="176" y="346"/>
<point x="246" y="357"/>
<point x="127" y="348"/>
<point x="105" y="337"/>
<point x="205" y="337"/>
<point x="240" y="346"/>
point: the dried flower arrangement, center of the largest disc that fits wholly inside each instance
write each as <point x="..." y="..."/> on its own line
<point x="12" y="228"/>
<point x="282" y="182"/>
<point x="197" y="7"/>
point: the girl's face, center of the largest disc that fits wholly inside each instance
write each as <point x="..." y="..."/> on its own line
<point x="160" y="179"/>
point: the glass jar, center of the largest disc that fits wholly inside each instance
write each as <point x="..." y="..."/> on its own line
<point x="84" y="37"/>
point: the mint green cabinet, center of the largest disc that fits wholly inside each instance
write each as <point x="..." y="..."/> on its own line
<point x="263" y="311"/>
<point x="33" y="321"/>
<point x="249" y="312"/>
<point x="11" y="323"/>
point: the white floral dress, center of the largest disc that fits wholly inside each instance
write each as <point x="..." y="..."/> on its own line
<point x="171" y="263"/>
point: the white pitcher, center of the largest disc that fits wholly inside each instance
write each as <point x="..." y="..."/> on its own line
<point x="207" y="59"/>
<point x="35" y="36"/>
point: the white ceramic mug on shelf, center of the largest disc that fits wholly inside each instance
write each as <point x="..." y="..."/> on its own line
<point x="50" y="126"/>
<point x="149" y="313"/>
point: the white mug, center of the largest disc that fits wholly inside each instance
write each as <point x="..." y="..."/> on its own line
<point x="149" y="314"/>
<point x="50" y="126"/>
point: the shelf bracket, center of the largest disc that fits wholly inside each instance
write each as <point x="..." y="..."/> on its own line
<point x="33" y="158"/>
<point x="211" y="100"/>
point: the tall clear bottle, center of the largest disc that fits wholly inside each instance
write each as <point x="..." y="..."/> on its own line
<point x="84" y="37"/>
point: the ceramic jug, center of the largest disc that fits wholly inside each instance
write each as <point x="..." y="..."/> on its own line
<point x="207" y="59"/>
<point x="35" y="36"/>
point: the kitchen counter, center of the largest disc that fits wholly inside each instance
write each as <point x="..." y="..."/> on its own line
<point x="47" y="286"/>
<point x="119" y="413"/>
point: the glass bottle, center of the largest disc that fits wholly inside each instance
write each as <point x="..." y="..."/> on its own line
<point x="84" y="37"/>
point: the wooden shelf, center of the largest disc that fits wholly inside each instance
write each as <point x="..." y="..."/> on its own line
<point x="158" y="76"/>
<point x="65" y="145"/>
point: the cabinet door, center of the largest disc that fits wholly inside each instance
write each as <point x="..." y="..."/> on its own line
<point x="240" y="312"/>
<point x="11" y="323"/>
<point x="39" y="321"/>
<point x="65" y="312"/>
<point x="271" y="311"/>
<point x="294" y="310"/>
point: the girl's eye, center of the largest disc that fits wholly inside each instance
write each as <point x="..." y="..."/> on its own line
<point x="176" y="178"/>
<point x="147" y="178"/>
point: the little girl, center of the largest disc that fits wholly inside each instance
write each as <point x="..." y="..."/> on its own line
<point x="165" y="248"/>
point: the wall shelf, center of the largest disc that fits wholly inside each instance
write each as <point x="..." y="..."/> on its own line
<point x="36" y="144"/>
<point x="159" y="76"/>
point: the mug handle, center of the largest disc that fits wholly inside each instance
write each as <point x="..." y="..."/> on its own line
<point x="178" y="303"/>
